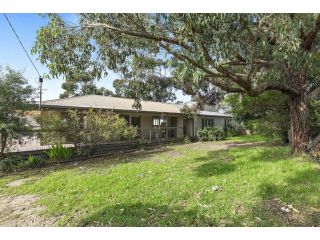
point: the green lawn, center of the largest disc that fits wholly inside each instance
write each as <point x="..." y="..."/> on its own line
<point x="198" y="184"/>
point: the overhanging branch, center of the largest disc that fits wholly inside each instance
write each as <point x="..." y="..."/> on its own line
<point x="145" y="35"/>
<point x="311" y="36"/>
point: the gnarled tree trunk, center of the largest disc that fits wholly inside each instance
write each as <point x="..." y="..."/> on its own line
<point x="299" y="134"/>
<point x="299" y="124"/>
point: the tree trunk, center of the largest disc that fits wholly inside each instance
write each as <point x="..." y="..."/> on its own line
<point x="299" y="134"/>
<point x="299" y="129"/>
<point x="4" y="138"/>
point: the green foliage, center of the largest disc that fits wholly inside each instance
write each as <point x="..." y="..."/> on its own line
<point x="146" y="87"/>
<point x="52" y="128"/>
<point x="189" y="112"/>
<point x="84" y="129"/>
<point x="211" y="134"/>
<point x="66" y="127"/>
<point x="59" y="152"/>
<point x="267" y="114"/>
<point x="142" y="143"/>
<point x="186" y="140"/>
<point x="14" y="97"/>
<point x="34" y="161"/>
<point x="102" y="127"/>
<point x="6" y="165"/>
<point x="201" y="50"/>
<point x="230" y="130"/>
<point x="80" y="84"/>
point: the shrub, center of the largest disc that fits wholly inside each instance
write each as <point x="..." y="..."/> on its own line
<point x="211" y="134"/>
<point x="6" y="165"/>
<point x="59" y="152"/>
<point x="230" y="130"/>
<point x="34" y="161"/>
<point x="87" y="129"/>
<point x="186" y="140"/>
<point x="142" y="143"/>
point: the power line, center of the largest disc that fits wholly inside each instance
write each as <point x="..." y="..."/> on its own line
<point x="24" y="49"/>
<point x="15" y="33"/>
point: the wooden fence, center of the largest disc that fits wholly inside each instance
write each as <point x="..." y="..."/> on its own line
<point x="106" y="149"/>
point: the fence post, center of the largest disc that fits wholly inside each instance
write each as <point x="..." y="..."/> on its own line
<point x="150" y="134"/>
<point x="166" y="133"/>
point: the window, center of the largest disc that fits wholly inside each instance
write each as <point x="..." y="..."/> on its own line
<point x="155" y="121"/>
<point x="135" y="121"/>
<point x="207" y="123"/>
<point x="173" y="122"/>
<point x="159" y="121"/>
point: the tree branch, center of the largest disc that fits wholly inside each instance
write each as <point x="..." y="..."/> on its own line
<point x="272" y="86"/>
<point x="145" y="35"/>
<point x="311" y="36"/>
<point x="224" y="86"/>
<point x="184" y="58"/>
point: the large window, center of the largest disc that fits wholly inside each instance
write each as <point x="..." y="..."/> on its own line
<point x="159" y="121"/>
<point x="207" y="123"/>
<point x="135" y="121"/>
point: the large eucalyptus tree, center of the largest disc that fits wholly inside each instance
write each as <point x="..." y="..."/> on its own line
<point x="239" y="53"/>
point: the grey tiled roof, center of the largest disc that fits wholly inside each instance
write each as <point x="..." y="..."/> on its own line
<point x="116" y="103"/>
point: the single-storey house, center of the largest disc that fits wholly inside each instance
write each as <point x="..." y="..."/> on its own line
<point x="155" y="120"/>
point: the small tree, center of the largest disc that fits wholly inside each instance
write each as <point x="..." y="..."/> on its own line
<point x="79" y="128"/>
<point x="14" y="97"/>
<point x="190" y="112"/>
<point x="102" y="126"/>
<point x="59" y="128"/>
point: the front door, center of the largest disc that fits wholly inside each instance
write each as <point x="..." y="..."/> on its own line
<point x="188" y="127"/>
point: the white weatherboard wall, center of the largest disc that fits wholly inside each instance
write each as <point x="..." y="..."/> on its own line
<point x="218" y="122"/>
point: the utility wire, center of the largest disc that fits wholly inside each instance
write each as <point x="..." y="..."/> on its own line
<point x="15" y="33"/>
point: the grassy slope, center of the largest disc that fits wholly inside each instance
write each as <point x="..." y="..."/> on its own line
<point x="173" y="187"/>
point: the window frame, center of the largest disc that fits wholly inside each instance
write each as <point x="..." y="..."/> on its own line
<point x="161" y="121"/>
<point x="207" y="122"/>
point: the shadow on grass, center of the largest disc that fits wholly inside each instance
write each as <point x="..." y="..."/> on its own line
<point x="223" y="161"/>
<point x="217" y="162"/>
<point x="301" y="191"/>
<point x="140" y="214"/>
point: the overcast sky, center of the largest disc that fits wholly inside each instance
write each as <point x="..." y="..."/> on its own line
<point x="11" y="53"/>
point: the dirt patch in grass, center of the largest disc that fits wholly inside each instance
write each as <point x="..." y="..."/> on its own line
<point x="16" y="183"/>
<point x="206" y="146"/>
<point x="214" y="146"/>
<point x="290" y="216"/>
<point x="275" y="208"/>
<point x="21" y="211"/>
<point x="174" y="154"/>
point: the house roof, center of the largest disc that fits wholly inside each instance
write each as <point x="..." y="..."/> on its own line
<point x="116" y="103"/>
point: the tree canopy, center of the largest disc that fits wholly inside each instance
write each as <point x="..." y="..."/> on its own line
<point x="15" y="97"/>
<point x="82" y="84"/>
<point x="152" y="88"/>
<point x="238" y="53"/>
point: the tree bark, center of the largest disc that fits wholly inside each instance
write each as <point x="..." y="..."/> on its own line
<point x="299" y="134"/>
<point x="299" y="126"/>
<point x="4" y="138"/>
